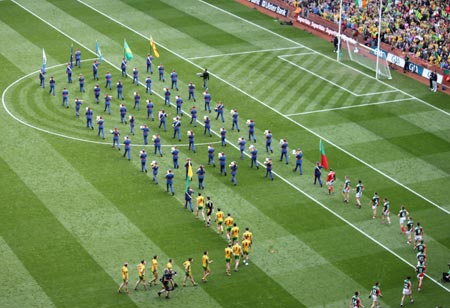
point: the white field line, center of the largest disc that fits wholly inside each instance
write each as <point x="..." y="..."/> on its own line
<point x="283" y="179"/>
<point x="271" y="108"/>
<point x="309" y="130"/>
<point x="243" y="53"/>
<point x="323" y="55"/>
<point x="350" y="107"/>
<point x="376" y="93"/>
<point x="70" y="137"/>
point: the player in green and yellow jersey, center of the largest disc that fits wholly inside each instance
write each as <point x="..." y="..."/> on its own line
<point x="124" y="278"/>
<point x="219" y="221"/>
<point x="237" y="252"/>
<point x="235" y="233"/>
<point x="205" y="264"/>
<point x="154" y="271"/>
<point x="248" y="235"/>
<point x="229" y="223"/>
<point x="246" y="243"/>
<point x="200" y="205"/>
<point x="188" y="272"/>
<point x="228" y="253"/>
<point x="141" y="274"/>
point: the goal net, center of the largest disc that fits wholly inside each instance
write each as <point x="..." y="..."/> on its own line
<point x="367" y="57"/>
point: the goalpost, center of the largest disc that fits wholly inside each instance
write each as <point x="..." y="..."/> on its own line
<point x="373" y="59"/>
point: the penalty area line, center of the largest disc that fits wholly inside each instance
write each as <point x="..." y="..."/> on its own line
<point x="243" y="53"/>
<point x="350" y="107"/>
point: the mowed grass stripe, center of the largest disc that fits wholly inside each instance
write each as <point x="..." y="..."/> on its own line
<point x="36" y="37"/>
<point x="55" y="259"/>
<point x="175" y="17"/>
<point x="430" y="121"/>
<point x="221" y="30"/>
<point x="162" y="33"/>
<point x="16" y="279"/>
<point x="19" y="54"/>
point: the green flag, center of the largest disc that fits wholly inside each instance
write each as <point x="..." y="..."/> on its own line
<point x="127" y="51"/>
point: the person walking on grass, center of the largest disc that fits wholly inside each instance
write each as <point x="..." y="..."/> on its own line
<point x="359" y="190"/>
<point x="346" y="189"/>
<point x="407" y="291"/>
<point x="374" y="294"/>
<point x="205" y="264"/>
<point x="188" y="272"/>
<point x="124" y="284"/>
<point x="154" y="271"/>
<point x="141" y="275"/>
<point x="386" y="212"/>
<point x="317" y="174"/>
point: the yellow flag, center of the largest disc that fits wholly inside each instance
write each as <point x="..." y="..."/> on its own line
<point x="190" y="173"/>
<point x="152" y="43"/>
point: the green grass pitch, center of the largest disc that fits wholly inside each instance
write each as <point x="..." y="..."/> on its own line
<point x="73" y="210"/>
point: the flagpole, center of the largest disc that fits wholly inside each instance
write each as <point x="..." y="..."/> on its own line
<point x="339" y="35"/>
<point x="379" y="38"/>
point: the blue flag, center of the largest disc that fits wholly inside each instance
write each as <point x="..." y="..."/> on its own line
<point x="44" y="60"/>
<point x="98" y="51"/>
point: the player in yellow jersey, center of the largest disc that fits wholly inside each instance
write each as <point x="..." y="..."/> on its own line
<point x="205" y="264"/>
<point x="188" y="272"/>
<point x="248" y="235"/>
<point x="237" y="252"/>
<point x="235" y="233"/>
<point x="229" y="223"/>
<point x="154" y="271"/>
<point x="141" y="274"/>
<point x="246" y="243"/>
<point x="200" y="205"/>
<point x="228" y="253"/>
<point x="124" y="278"/>
<point x="219" y="221"/>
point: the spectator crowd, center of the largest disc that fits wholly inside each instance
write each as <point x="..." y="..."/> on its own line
<point x="418" y="27"/>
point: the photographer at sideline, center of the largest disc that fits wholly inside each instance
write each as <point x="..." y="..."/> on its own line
<point x="446" y="275"/>
<point x="205" y="76"/>
<point x="166" y="280"/>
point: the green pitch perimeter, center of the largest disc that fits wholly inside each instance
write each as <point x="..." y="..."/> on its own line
<point x="74" y="210"/>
